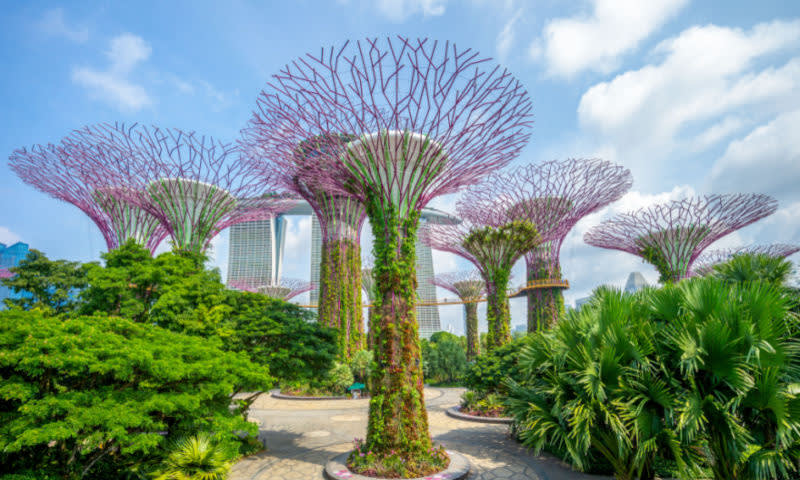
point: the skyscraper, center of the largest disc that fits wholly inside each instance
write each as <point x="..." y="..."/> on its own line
<point x="10" y="256"/>
<point x="256" y="251"/>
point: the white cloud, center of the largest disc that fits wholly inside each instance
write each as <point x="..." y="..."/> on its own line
<point x="599" y="40"/>
<point x="505" y="39"/>
<point x="766" y="160"/>
<point x="400" y="10"/>
<point x="8" y="237"/>
<point x="708" y="83"/>
<point x="53" y="23"/>
<point x="113" y="85"/>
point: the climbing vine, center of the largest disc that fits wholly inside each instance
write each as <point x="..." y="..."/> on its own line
<point x="340" y="293"/>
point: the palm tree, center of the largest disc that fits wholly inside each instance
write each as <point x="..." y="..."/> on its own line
<point x="198" y="457"/>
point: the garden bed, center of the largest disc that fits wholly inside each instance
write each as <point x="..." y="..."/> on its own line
<point x="285" y="396"/>
<point x="455" y="412"/>
<point x="459" y="467"/>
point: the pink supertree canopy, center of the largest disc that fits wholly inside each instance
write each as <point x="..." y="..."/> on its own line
<point x="426" y="117"/>
<point x="706" y="262"/>
<point x="194" y="185"/>
<point x="467" y="284"/>
<point x="285" y="289"/>
<point x="554" y="195"/>
<point x="671" y="236"/>
<point x="64" y="171"/>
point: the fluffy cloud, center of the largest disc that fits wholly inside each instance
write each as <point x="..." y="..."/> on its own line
<point x="113" y="85"/>
<point x="53" y="23"/>
<point x="710" y="82"/>
<point x="505" y="38"/>
<point x="598" y="41"/>
<point x="766" y="160"/>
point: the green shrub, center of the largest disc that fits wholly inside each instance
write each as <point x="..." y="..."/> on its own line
<point x="361" y="364"/>
<point x="339" y="378"/>
<point x="487" y="373"/>
<point x="100" y="396"/>
<point x="199" y="457"/>
<point x="444" y="358"/>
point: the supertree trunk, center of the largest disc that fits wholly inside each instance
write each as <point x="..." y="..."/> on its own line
<point x="498" y="313"/>
<point x="397" y="417"/>
<point x="473" y="337"/>
<point x="545" y="305"/>
<point x="340" y="293"/>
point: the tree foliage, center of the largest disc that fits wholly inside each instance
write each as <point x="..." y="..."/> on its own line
<point x="102" y="394"/>
<point x="444" y="358"/>
<point x="50" y="285"/>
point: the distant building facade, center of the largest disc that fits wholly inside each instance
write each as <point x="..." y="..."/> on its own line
<point x="634" y="283"/>
<point x="10" y="256"/>
<point x="256" y="251"/>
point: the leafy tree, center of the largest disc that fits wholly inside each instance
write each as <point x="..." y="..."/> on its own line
<point x="487" y="373"/>
<point x="51" y="285"/>
<point x="444" y="357"/>
<point x="360" y="365"/>
<point x="282" y="336"/>
<point x="96" y="397"/>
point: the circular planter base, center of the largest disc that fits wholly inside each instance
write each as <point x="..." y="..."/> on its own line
<point x="455" y="412"/>
<point x="336" y="469"/>
<point x="283" y="396"/>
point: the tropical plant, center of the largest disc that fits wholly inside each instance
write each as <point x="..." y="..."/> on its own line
<point x="732" y="348"/>
<point x="339" y="377"/>
<point x="487" y="373"/>
<point x="360" y="365"/>
<point x="595" y="392"/>
<point x="198" y="457"/>
<point x="748" y="267"/>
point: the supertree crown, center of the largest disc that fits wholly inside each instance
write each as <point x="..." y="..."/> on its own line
<point x="196" y="186"/>
<point x="66" y="172"/>
<point x="427" y="117"/>
<point x="554" y="195"/>
<point x="285" y="289"/>
<point x="468" y="285"/>
<point x="706" y="262"/>
<point x="672" y="235"/>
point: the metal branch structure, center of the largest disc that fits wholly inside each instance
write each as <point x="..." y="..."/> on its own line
<point x="427" y="118"/>
<point x="194" y="185"/>
<point x="63" y="172"/>
<point x="493" y="246"/>
<point x="671" y="236"/>
<point x="470" y="287"/>
<point x="285" y="289"/>
<point x="554" y="196"/>
<point x="706" y="262"/>
<point x="340" y="218"/>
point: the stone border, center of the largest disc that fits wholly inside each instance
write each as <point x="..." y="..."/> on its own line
<point x="455" y="412"/>
<point x="336" y="469"/>
<point x="282" y="396"/>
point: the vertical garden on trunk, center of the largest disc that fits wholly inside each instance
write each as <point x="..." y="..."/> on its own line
<point x="427" y="119"/>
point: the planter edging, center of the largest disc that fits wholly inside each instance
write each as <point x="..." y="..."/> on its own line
<point x="455" y="412"/>
<point x="282" y="396"/>
<point x="336" y="469"/>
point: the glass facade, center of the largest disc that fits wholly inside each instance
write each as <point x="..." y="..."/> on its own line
<point x="10" y="256"/>
<point x="256" y="251"/>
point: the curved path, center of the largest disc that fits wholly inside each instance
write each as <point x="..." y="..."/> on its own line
<point x="302" y="436"/>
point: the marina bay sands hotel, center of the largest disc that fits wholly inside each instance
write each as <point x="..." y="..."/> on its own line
<point x="256" y="252"/>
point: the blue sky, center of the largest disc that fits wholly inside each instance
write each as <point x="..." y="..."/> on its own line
<point x="692" y="96"/>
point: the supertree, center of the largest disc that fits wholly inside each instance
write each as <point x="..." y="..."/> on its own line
<point x="554" y="196"/>
<point x="63" y="172"/>
<point x="493" y="243"/>
<point x="194" y="185"/>
<point x="428" y="119"/>
<point x="340" y="219"/>
<point x="285" y="289"/>
<point x="706" y="262"/>
<point x="671" y="236"/>
<point x="470" y="287"/>
<point x="368" y="286"/>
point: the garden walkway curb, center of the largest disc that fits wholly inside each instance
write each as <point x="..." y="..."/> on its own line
<point x="456" y="413"/>
<point x="459" y="467"/>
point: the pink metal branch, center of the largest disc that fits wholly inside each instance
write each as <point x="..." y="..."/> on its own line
<point x="429" y="118"/>
<point x="680" y="230"/>
<point x="553" y="195"/>
<point x="466" y="284"/>
<point x="285" y="289"/>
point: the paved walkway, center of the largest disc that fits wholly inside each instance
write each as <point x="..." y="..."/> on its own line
<point x="301" y="436"/>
